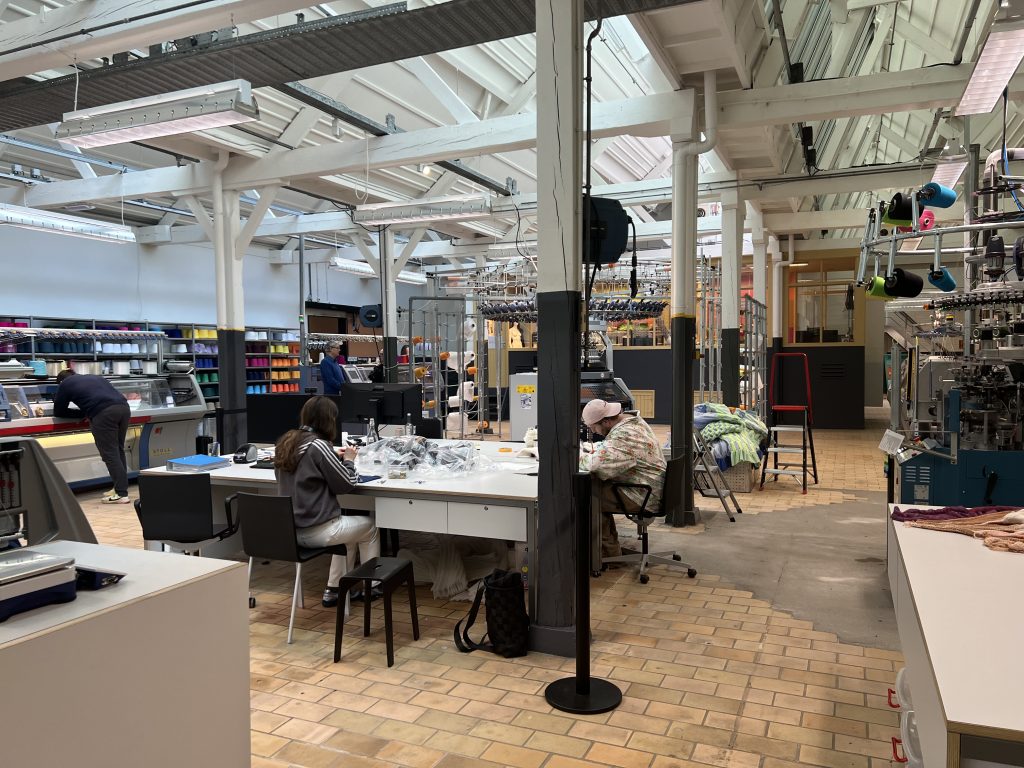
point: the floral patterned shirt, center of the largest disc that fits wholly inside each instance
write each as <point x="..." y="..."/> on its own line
<point x="630" y="453"/>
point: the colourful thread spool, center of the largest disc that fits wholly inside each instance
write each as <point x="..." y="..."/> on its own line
<point x="899" y="211"/>
<point x="942" y="280"/>
<point x="875" y="288"/>
<point x="938" y="196"/>
<point x="926" y="220"/>
<point x="903" y="284"/>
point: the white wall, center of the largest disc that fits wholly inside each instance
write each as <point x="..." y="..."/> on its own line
<point x="48" y="275"/>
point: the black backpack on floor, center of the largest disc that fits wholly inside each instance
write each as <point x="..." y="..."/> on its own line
<point x="508" y="626"/>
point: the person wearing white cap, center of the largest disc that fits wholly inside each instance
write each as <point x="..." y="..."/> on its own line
<point x="629" y="453"/>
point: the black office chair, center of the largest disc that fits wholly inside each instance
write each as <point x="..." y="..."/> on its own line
<point x="268" y="532"/>
<point x="672" y="499"/>
<point x="177" y="511"/>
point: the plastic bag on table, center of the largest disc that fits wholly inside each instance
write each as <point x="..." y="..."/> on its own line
<point x="401" y="453"/>
<point x="452" y="460"/>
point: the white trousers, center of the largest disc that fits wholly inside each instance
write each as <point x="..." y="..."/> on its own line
<point x="344" y="529"/>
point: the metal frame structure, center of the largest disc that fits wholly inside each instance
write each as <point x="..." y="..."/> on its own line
<point x="709" y="330"/>
<point x="754" y="356"/>
<point x="440" y="332"/>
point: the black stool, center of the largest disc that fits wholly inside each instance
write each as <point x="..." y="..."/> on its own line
<point x="390" y="573"/>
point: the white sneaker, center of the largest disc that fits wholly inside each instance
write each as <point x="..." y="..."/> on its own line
<point x="113" y="498"/>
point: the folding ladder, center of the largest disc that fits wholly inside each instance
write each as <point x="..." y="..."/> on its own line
<point x="707" y="477"/>
<point x="787" y="450"/>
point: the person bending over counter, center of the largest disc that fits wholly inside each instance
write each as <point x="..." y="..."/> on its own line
<point x="108" y="413"/>
<point x="309" y="470"/>
<point x="629" y="453"/>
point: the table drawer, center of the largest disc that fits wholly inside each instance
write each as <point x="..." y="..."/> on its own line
<point x="413" y="515"/>
<point x="487" y="520"/>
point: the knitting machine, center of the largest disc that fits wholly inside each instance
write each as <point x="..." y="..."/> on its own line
<point x="964" y="412"/>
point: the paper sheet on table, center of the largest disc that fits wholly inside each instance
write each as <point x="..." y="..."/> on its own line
<point x="519" y="467"/>
<point x="891" y="442"/>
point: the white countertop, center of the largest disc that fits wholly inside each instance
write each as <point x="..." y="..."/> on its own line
<point x="970" y="606"/>
<point x="505" y="484"/>
<point x="146" y="573"/>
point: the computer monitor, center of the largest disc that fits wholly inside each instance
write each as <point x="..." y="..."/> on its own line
<point x="384" y="403"/>
<point x="354" y="374"/>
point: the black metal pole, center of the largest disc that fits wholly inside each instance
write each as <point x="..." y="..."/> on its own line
<point x="582" y="694"/>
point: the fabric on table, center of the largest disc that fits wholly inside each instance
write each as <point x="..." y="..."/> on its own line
<point x="996" y="530"/>
<point x="945" y="513"/>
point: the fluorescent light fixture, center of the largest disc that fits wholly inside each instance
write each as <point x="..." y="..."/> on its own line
<point x="47" y="221"/>
<point x="998" y="62"/>
<point x="450" y="208"/>
<point x="365" y="271"/>
<point x="194" y="109"/>
<point x="796" y="264"/>
<point x="948" y="174"/>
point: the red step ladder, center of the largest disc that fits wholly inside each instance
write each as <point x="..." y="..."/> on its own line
<point x="788" y="450"/>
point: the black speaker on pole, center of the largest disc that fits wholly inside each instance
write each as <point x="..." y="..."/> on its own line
<point x="371" y="316"/>
<point x="609" y="231"/>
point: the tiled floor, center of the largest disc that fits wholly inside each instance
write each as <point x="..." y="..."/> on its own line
<point x="712" y="676"/>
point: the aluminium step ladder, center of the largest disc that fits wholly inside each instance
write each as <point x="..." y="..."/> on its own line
<point x="788" y="450"/>
<point x="708" y="479"/>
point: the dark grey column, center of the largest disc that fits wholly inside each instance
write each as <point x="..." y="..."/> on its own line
<point x="684" y="343"/>
<point x="731" y="366"/>
<point x="231" y="360"/>
<point x="558" y="386"/>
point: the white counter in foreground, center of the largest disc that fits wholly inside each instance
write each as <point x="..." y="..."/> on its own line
<point x="960" y="611"/>
<point x="152" y="671"/>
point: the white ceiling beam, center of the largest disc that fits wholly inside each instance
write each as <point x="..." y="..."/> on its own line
<point x="737" y="56"/>
<point x="923" y="41"/>
<point x="279" y="226"/>
<point x="440" y="90"/>
<point x="656" y="115"/>
<point x="924" y="88"/>
<point x="88" y="30"/>
<point x="840" y="11"/>
<point x="814" y="221"/>
<point x="256" y="217"/>
<point x="203" y="219"/>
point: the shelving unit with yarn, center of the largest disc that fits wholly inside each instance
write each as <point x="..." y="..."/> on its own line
<point x="272" y="361"/>
<point x="196" y="344"/>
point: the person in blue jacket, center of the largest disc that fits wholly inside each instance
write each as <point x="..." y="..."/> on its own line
<point x="330" y="369"/>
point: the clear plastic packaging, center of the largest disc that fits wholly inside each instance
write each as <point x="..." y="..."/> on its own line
<point x="413" y="456"/>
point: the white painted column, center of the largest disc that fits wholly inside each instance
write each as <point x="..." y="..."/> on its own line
<point x="684" y="317"/>
<point x="559" y="303"/>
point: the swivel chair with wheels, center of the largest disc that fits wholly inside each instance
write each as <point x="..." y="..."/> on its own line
<point x="672" y="498"/>
<point x="177" y="511"/>
<point x="268" y="532"/>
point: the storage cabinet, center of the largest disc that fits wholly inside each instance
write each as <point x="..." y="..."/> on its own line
<point x="465" y="518"/>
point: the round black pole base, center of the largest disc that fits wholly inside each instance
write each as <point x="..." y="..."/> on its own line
<point x="603" y="696"/>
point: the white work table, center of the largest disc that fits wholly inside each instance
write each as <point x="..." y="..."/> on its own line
<point x="110" y="679"/>
<point x="501" y="504"/>
<point x="958" y="605"/>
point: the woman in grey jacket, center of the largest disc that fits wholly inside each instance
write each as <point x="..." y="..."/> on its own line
<point x="310" y="471"/>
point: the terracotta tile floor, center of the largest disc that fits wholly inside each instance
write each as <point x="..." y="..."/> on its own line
<point x="711" y="676"/>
